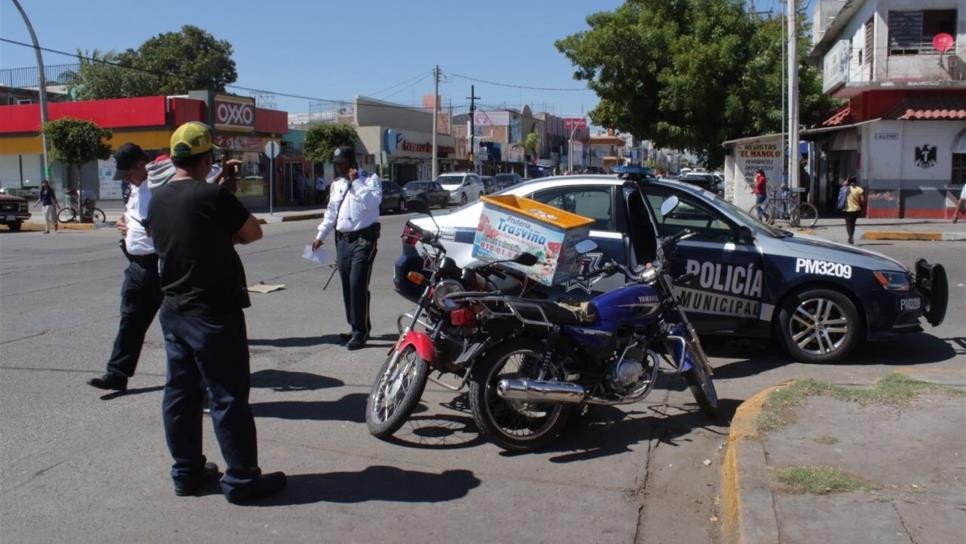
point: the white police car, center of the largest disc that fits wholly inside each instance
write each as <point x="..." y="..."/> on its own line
<point x="819" y="297"/>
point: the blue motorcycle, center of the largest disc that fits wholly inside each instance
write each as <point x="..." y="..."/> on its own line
<point x="542" y="359"/>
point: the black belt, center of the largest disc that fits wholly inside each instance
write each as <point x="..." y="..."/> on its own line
<point x="144" y="260"/>
<point x="369" y="233"/>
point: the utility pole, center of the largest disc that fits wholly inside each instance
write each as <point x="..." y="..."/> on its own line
<point x="435" y="120"/>
<point x="794" y="156"/>
<point x="42" y="81"/>
<point x="473" y="98"/>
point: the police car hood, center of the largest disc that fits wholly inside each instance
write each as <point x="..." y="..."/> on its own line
<point x="813" y="247"/>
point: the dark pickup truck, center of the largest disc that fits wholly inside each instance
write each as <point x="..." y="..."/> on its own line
<point x="13" y="211"/>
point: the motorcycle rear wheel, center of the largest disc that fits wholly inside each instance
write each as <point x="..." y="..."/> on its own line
<point x="514" y="426"/>
<point x="396" y="392"/>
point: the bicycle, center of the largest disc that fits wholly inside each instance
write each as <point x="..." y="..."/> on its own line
<point x="786" y="205"/>
<point x="90" y="213"/>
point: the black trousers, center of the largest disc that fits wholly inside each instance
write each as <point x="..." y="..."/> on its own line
<point x="140" y="299"/>
<point x="355" y="258"/>
<point x="850" y="219"/>
<point x="213" y="351"/>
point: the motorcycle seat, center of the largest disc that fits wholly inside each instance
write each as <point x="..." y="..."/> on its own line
<point x="560" y="313"/>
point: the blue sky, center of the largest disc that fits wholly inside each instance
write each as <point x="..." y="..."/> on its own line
<point x="336" y="50"/>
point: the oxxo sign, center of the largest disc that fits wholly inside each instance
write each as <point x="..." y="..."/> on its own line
<point x="235" y="113"/>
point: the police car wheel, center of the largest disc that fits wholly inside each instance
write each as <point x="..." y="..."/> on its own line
<point x="819" y="325"/>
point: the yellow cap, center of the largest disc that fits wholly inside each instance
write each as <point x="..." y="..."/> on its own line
<point x="191" y="139"/>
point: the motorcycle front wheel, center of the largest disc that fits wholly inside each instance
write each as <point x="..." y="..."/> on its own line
<point x="702" y="387"/>
<point x="396" y="392"/>
<point x="515" y="425"/>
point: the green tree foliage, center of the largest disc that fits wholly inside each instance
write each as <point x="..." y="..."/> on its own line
<point x="322" y="140"/>
<point x="187" y="60"/>
<point x="531" y="142"/>
<point x="76" y="142"/>
<point x="688" y="74"/>
<point x="169" y="63"/>
<point x="98" y="78"/>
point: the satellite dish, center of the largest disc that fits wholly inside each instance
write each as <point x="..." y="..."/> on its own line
<point x="943" y="42"/>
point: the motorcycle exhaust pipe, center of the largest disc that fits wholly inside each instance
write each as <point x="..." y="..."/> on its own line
<point x="525" y="390"/>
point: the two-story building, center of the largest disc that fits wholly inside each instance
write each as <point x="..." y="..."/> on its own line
<point x="900" y="66"/>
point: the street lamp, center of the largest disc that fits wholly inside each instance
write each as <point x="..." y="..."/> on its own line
<point x="43" y="86"/>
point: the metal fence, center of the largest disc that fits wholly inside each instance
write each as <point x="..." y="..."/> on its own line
<point x="56" y="74"/>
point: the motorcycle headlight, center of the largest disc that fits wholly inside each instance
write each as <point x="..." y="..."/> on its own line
<point x="893" y="281"/>
<point x="444" y="288"/>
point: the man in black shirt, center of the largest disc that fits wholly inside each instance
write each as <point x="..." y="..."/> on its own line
<point x="195" y="226"/>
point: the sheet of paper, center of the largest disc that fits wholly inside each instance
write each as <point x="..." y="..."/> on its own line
<point x="265" y="288"/>
<point x="319" y="256"/>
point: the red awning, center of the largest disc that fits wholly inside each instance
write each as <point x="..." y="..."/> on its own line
<point x="937" y="107"/>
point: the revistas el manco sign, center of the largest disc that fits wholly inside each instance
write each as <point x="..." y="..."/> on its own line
<point x="233" y="113"/>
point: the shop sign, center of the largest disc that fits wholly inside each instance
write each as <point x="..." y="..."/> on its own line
<point x="886" y="136"/>
<point x="835" y="65"/>
<point x="239" y="143"/>
<point x="414" y="147"/>
<point x="234" y="113"/>
<point x="571" y="123"/>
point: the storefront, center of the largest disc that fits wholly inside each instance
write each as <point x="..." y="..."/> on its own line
<point x="241" y="129"/>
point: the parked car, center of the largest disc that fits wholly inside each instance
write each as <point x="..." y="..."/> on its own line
<point x="702" y="179"/>
<point x="489" y="185"/>
<point x="505" y="181"/>
<point x="463" y="187"/>
<point x="818" y="298"/>
<point x="433" y="192"/>
<point x="393" y="199"/>
<point x="30" y="193"/>
<point x="14" y="210"/>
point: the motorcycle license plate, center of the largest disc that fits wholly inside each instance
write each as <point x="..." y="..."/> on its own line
<point x="909" y="304"/>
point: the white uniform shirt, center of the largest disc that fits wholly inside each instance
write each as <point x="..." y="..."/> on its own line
<point x="137" y="240"/>
<point x="352" y="207"/>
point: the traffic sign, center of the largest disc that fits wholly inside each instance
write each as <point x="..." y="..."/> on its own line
<point x="272" y="149"/>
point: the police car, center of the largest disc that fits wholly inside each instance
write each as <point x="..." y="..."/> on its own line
<point x="820" y="298"/>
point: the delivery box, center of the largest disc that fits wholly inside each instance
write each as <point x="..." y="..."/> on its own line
<point x="511" y="225"/>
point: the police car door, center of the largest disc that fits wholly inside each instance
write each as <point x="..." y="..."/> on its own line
<point x="596" y="202"/>
<point x="726" y="293"/>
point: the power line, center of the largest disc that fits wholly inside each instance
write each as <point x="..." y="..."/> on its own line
<point x="418" y="76"/>
<point x="513" y="86"/>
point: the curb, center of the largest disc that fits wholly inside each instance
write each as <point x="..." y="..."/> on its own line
<point x="748" y="512"/>
<point x="935" y="236"/>
<point x="35" y="227"/>
<point x="288" y="218"/>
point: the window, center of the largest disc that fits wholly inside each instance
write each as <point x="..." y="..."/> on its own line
<point x="959" y="169"/>
<point x="22" y="101"/>
<point x="707" y="224"/>
<point x="593" y="202"/>
<point x="911" y="32"/>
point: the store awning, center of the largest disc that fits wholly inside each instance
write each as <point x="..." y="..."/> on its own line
<point x="930" y="108"/>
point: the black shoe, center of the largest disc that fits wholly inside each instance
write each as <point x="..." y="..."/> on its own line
<point x="265" y="485"/>
<point x="356" y="343"/>
<point x="111" y="382"/>
<point x="192" y="485"/>
<point x="344" y="337"/>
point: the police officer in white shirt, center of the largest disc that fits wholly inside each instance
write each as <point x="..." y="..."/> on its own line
<point x="353" y="212"/>
<point x="141" y="291"/>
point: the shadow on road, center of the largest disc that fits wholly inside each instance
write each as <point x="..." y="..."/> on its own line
<point x="138" y="391"/>
<point x="285" y="380"/>
<point x="296" y="341"/>
<point x="351" y="407"/>
<point x="377" y="483"/>
<point x="438" y="432"/>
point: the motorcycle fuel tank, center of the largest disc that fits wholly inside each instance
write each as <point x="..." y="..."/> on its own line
<point x="629" y="304"/>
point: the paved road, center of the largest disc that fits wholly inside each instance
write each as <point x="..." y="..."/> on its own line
<point x="76" y="467"/>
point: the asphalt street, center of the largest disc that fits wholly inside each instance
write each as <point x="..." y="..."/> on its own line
<point x="80" y="466"/>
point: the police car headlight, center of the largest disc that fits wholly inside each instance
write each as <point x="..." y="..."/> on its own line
<point x="444" y="288"/>
<point x="893" y="281"/>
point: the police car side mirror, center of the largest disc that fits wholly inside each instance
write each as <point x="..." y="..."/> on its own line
<point x="744" y="236"/>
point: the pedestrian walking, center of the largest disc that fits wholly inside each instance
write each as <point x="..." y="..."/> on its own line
<point x="854" y="204"/>
<point x="960" y="204"/>
<point x="48" y="200"/>
<point x="321" y="190"/>
<point x="761" y="194"/>
<point x="195" y="225"/>
<point x="353" y="212"/>
<point x="141" y="290"/>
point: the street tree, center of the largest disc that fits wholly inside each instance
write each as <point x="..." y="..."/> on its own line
<point x="100" y="76"/>
<point x="322" y="140"/>
<point x="186" y="60"/>
<point x="76" y="142"/>
<point x="688" y="74"/>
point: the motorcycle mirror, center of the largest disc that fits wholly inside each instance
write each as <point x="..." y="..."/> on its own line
<point x="669" y="205"/>
<point x="526" y="259"/>
<point x="418" y="205"/>
<point x="585" y="246"/>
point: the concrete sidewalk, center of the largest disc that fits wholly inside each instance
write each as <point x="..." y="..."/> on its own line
<point x="893" y="229"/>
<point x="815" y="462"/>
